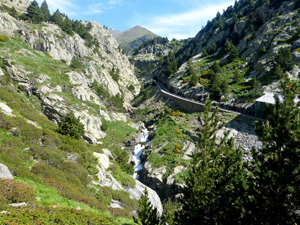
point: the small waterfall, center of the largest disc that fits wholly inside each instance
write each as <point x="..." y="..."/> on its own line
<point x="138" y="150"/>
<point x="137" y="192"/>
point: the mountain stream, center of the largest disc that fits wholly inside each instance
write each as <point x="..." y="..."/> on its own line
<point x="138" y="150"/>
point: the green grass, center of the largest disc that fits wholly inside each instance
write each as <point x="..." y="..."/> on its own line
<point x="117" y="133"/>
<point x="170" y="136"/>
<point x="48" y="195"/>
<point x="35" y="61"/>
<point x="20" y="106"/>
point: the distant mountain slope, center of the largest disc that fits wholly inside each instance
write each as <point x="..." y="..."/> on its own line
<point x="114" y="32"/>
<point x="133" y="38"/>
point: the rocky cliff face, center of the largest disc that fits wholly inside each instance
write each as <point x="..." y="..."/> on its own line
<point x="98" y="63"/>
<point x="258" y="35"/>
<point x="21" y="6"/>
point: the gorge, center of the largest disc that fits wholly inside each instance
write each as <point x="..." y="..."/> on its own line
<point x="86" y="128"/>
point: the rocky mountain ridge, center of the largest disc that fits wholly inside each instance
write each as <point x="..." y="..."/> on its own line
<point x="258" y="32"/>
<point x="98" y="64"/>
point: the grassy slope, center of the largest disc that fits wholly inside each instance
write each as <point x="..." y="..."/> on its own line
<point x="55" y="179"/>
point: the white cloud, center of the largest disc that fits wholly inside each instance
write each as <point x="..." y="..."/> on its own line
<point x="183" y="25"/>
<point x="100" y="7"/>
<point x="67" y="7"/>
<point x="115" y="2"/>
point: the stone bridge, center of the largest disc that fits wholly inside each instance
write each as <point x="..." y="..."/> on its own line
<point x="188" y="104"/>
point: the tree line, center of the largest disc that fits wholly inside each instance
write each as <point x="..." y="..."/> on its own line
<point x="36" y="14"/>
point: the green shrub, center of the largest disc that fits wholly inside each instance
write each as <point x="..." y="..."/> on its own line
<point x="124" y="178"/>
<point x="124" y="198"/>
<point x="76" y="63"/>
<point x="70" y="125"/>
<point x="117" y="212"/>
<point x="50" y="215"/>
<point x="104" y="125"/>
<point x="77" y="170"/>
<point x="12" y="191"/>
<point x="114" y="73"/>
<point x="117" y="101"/>
<point x="156" y="160"/>
<point x="16" y="162"/>
<point x="146" y="94"/>
<point x="131" y="88"/>
<point x="51" y="139"/>
<point x="89" y="162"/>
<point x="72" y="145"/>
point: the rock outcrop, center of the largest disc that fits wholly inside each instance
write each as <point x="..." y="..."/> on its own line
<point x="4" y="172"/>
<point x="106" y="179"/>
<point x="137" y="192"/>
<point x="100" y="62"/>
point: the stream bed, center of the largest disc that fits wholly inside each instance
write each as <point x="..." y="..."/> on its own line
<point x="138" y="150"/>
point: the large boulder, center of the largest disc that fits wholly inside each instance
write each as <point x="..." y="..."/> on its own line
<point x="105" y="179"/>
<point x="154" y="199"/>
<point x="4" y="172"/>
<point x="6" y="109"/>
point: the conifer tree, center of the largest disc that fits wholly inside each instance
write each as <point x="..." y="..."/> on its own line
<point x="70" y="125"/>
<point x="276" y="167"/>
<point x="34" y="12"/>
<point x="57" y="18"/>
<point x="45" y="11"/>
<point x="216" y="187"/>
<point x="284" y="59"/>
<point x="147" y="215"/>
<point x="13" y="12"/>
<point x="190" y="72"/>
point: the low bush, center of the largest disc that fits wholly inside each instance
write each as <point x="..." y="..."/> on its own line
<point x="104" y="125"/>
<point x="117" y="212"/>
<point x="4" y="38"/>
<point x="89" y="162"/>
<point x="50" y="215"/>
<point x="76" y="63"/>
<point x="16" y="162"/>
<point x="12" y="191"/>
<point x="122" y="177"/>
<point x="124" y="198"/>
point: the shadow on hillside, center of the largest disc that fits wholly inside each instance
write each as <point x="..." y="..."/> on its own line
<point x="242" y="123"/>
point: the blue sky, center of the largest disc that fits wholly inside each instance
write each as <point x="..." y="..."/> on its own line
<point x="168" y="18"/>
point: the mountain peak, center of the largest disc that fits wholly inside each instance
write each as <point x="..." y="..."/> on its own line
<point x="133" y="37"/>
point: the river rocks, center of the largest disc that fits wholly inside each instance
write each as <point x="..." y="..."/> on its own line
<point x="188" y="148"/>
<point x="152" y="177"/>
<point x="137" y="192"/>
<point x="171" y="178"/>
<point x="4" y="172"/>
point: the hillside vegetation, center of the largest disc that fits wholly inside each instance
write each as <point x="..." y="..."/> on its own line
<point x="248" y="46"/>
<point x="72" y="110"/>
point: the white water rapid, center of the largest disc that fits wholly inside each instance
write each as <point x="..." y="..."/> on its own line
<point x="138" y="150"/>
